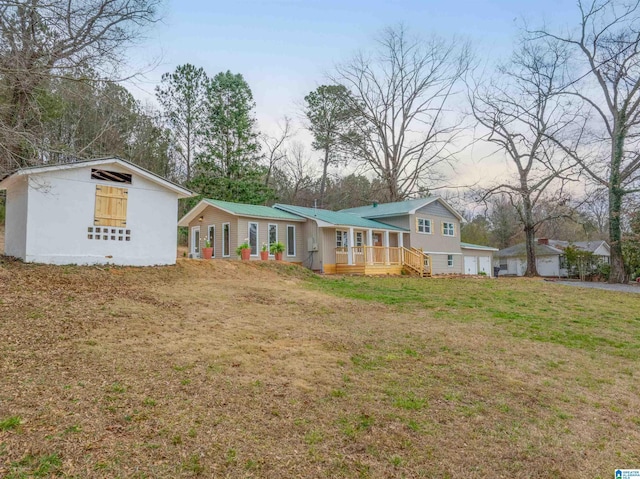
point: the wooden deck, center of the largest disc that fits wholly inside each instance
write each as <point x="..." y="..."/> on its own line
<point x="380" y="260"/>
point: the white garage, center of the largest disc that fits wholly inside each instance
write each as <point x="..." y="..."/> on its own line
<point x="470" y="265"/>
<point x="106" y="211"/>
<point x="477" y="259"/>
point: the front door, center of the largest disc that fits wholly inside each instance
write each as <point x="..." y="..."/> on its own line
<point x="377" y="239"/>
<point x="195" y="242"/>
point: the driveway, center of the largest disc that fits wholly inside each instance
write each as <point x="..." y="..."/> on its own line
<point x="623" y="288"/>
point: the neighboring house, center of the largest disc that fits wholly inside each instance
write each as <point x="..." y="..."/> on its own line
<point x="91" y="212"/>
<point x="550" y="258"/>
<point x="422" y="235"/>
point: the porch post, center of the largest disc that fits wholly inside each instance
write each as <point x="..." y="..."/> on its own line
<point x="369" y="258"/>
<point x="385" y="243"/>
<point x="400" y="243"/>
<point x="350" y="244"/>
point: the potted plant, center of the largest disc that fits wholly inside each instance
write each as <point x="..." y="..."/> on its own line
<point x="244" y="250"/>
<point x="264" y="253"/>
<point x="277" y="249"/>
<point x="207" y="251"/>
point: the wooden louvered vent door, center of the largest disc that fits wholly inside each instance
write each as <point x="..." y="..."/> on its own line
<point x="111" y="206"/>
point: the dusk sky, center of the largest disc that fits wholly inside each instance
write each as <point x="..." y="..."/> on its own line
<point x="285" y="48"/>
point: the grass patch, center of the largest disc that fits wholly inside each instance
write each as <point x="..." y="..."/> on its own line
<point x="34" y="466"/>
<point x="525" y="309"/>
<point x="12" y="422"/>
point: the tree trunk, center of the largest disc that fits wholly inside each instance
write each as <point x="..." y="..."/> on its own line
<point x="529" y="232"/>
<point x="323" y="180"/>
<point x="616" y="193"/>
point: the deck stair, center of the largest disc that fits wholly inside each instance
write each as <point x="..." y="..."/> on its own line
<point x="416" y="262"/>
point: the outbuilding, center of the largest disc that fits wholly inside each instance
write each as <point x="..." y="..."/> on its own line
<point x="103" y="211"/>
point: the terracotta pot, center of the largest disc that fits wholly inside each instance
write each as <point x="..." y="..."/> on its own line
<point x="246" y="254"/>
<point x="207" y="253"/>
<point x="264" y="255"/>
<point x="278" y="256"/>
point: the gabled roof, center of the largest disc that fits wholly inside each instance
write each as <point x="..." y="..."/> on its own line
<point x="337" y="218"/>
<point x="399" y="208"/>
<point x="239" y="209"/>
<point x="477" y="246"/>
<point x="590" y="246"/>
<point x="520" y="250"/>
<point x="127" y="165"/>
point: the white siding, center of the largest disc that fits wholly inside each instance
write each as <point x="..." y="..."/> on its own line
<point x="61" y="209"/>
<point x="15" y="241"/>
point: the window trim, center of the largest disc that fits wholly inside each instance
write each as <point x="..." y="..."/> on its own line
<point x="269" y="237"/>
<point x="249" y="223"/>
<point x="226" y="243"/>
<point x="195" y="247"/>
<point x="450" y="261"/>
<point x="444" y="229"/>
<point x="343" y="238"/>
<point x="212" y="237"/>
<point x="425" y="221"/>
<point x="294" y="241"/>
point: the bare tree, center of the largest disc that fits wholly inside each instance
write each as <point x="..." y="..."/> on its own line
<point x="295" y="176"/>
<point x="399" y="94"/>
<point x="606" y="50"/>
<point x="44" y="39"/>
<point x="275" y="147"/>
<point x="520" y="111"/>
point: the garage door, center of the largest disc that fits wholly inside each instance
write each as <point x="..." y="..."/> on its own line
<point x="485" y="265"/>
<point x="470" y="265"/>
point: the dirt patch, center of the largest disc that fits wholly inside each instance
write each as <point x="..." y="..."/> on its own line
<point x="232" y="369"/>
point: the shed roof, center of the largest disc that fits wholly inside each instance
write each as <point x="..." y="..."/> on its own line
<point x="181" y="191"/>
<point x="337" y="218"/>
<point x="398" y="208"/>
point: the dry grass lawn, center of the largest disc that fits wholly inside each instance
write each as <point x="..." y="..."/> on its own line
<point x="225" y="369"/>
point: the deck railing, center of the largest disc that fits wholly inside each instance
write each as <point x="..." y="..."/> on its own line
<point x="370" y="255"/>
<point x="412" y="258"/>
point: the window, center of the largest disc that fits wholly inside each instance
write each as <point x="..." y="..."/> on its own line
<point x="211" y="236"/>
<point x="291" y="240"/>
<point x="226" y="237"/>
<point x="423" y="225"/>
<point x="448" y="229"/>
<point x="253" y="238"/>
<point x="563" y="262"/>
<point x="450" y="260"/>
<point x="358" y="238"/>
<point x="505" y="266"/>
<point x="111" y="206"/>
<point x="273" y="236"/>
<point x="341" y="239"/>
<point x="105" y="175"/>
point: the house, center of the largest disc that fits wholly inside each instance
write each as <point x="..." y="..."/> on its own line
<point x="421" y="235"/>
<point x="91" y="212"/>
<point x="433" y="226"/>
<point x="550" y="256"/>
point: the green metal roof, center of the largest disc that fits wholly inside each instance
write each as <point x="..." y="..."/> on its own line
<point x="242" y="209"/>
<point x="390" y="209"/>
<point x="477" y="246"/>
<point x="338" y="218"/>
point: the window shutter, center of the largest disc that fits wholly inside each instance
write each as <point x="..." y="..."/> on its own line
<point x="417" y="229"/>
<point x="111" y="206"/>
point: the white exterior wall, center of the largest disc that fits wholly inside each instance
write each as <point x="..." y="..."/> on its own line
<point x="61" y="209"/>
<point x="548" y="265"/>
<point x="15" y="241"/>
